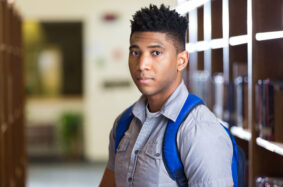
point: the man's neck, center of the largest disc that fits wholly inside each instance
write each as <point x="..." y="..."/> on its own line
<point x="156" y="102"/>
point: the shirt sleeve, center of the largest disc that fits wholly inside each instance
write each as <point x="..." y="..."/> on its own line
<point x="206" y="150"/>
<point x="111" y="148"/>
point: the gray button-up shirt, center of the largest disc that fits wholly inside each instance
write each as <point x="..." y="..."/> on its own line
<point x="205" y="148"/>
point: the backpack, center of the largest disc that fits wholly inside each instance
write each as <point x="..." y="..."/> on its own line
<point x="170" y="152"/>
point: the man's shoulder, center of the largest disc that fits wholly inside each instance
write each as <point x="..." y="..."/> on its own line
<point x="202" y="113"/>
<point x="199" y="115"/>
<point x="201" y="124"/>
<point x="117" y="119"/>
<point x="125" y="111"/>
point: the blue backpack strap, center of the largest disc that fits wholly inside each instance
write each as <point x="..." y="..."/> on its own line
<point x="171" y="156"/>
<point x="123" y="125"/>
<point x="235" y="159"/>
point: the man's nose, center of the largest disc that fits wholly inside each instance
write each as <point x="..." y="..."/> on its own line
<point x="144" y="62"/>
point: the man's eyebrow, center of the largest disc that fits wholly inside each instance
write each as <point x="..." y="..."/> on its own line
<point x="155" y="46"/>
<point x="151" y="46"/>
<point x="134" y="46"/>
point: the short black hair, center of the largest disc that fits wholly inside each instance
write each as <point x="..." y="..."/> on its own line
<point x="162" y="19"/>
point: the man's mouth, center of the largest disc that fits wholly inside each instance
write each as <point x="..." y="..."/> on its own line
<point x="144" y="79"/>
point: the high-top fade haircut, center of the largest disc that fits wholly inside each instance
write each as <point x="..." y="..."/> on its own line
<point x="164" y="20"/>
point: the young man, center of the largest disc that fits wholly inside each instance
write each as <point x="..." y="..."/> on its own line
<point x="157" y="57"/>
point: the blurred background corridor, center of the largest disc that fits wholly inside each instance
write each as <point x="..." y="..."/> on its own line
<point x="76" y="83"/>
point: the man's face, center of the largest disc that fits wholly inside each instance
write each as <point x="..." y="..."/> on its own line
<point x="153" y="63"/>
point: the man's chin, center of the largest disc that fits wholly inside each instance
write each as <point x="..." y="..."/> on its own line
<point x="146" y="92"/>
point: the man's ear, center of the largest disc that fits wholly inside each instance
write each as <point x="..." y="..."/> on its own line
<point x="182" y="60"/>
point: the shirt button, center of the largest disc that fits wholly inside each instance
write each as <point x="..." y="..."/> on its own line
<point x="136" y="152"/>
<point x="157" y="154"/>
<point x="130" y="179"/>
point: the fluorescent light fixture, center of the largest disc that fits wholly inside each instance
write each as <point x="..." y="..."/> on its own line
<point x="218" y="43"/>
<point x="202" y="45"/>
<point x="268" y="35"/>
<point x="190" y="5"/>
<point x="238" y="40"/>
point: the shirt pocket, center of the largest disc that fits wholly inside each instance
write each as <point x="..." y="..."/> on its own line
<point x="154" y="164"/>
<point x="123" y="145"/>
<point x="153" y="150"/>
<point x="150" y="160"/>
<point x="148" y="166"/>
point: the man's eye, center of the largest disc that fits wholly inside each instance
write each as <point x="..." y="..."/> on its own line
<point x="134" y="53"/>
<point x="156" y="53"/>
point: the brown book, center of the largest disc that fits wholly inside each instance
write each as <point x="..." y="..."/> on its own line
<point x="239" y="69"/>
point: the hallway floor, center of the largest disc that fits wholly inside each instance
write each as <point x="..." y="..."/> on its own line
<point x="65" y="174"/>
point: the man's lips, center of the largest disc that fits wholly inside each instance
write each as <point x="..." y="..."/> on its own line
<point x="144" y="79"/>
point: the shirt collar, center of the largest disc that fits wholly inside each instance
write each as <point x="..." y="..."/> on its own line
<point x="171" y="107"/>
<point x="174" y="104"/>
<point x="139" y="108"/>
